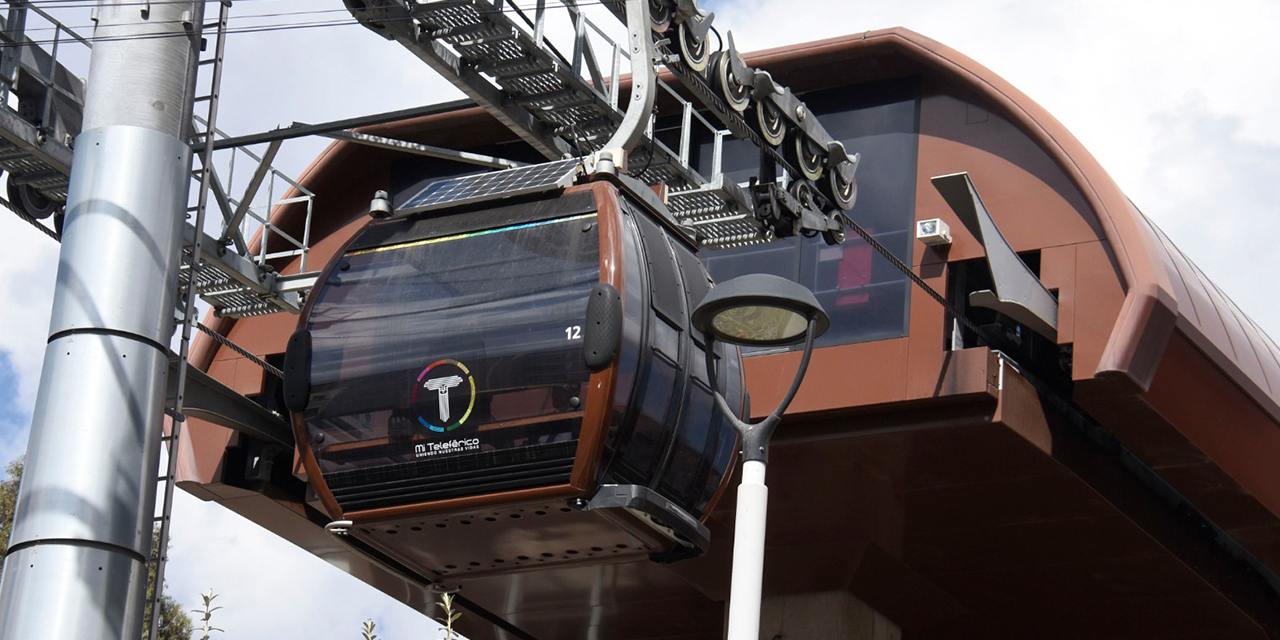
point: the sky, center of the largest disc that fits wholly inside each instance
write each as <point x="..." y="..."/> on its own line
<point x="1176" y="99"/>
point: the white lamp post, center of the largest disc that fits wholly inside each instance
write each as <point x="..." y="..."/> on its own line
<point x="756" y="310"/>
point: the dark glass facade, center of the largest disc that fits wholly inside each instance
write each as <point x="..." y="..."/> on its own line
<point x="866" y="297"/>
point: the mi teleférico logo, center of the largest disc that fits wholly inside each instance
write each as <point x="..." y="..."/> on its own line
<point x="448" y="395"/>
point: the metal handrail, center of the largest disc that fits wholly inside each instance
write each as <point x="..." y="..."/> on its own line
<point x="261" y="222"/>
<point x="12" y="45"/>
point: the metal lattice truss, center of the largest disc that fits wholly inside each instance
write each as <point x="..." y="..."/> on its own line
<point x="556" y="83"/>
<point x="236" y="275"/>
<point x="555" y="76"/>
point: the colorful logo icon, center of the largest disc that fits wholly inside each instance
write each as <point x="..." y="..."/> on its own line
<point x="449" y="391"/>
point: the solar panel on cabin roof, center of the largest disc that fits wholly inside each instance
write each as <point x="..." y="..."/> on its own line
<point x="486" y="186"/>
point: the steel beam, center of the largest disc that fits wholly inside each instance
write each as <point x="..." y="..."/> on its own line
<point x="255" y="183"/>
<point x="26" y="136"/>
<point x="207" y="399"/>
<point x="424" y="150"/>
<point x="299" y="130"/>
<point x="244" y="271"/>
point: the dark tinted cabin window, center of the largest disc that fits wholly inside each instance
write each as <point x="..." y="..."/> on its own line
<point x="462" y="345"/>
<point x="866" y="297"/>
<point x="640" y="453"/>
<point x="684" y="477"/>
<point x="724" y="445"/>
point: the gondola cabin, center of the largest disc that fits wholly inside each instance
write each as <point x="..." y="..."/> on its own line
<point x="477" y="359"/>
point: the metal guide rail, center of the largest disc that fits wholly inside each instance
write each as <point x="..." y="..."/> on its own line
<point x="508" y="58"/>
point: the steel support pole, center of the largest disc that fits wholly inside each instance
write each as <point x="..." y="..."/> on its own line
<point x="747" y="582"/>
<point x="746" y="585"/>
<point x="77" y="561"/>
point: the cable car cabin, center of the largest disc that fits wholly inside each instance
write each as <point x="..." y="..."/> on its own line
<point x="514" y="383"/>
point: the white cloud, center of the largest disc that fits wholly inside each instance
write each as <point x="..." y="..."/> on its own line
<point x="14" y="418"/>
<point x="275" y="78"/>
<point x="28" y="266"/>
<point x="269" y="588"/>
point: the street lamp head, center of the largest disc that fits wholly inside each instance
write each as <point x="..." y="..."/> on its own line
<point x="760" y="310"/>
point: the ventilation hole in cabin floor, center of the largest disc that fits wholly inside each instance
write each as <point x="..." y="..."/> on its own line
<point x="498" y="561"/>
<point x="515" y="516"/>
<point x="451" y="566"/>
<point x="572" y="552"/>
<point x="392" y="531"/>
<point x="548" y="555"/>
<point x="565" y="509"/>
<point x="441" y="525"/>
<point x="622" y="546"/>
<point x="464" y="522"/>
<point x="597" y="549"/>
<point x="415" y="528"/>
<point x="490" y="519"/>
<point x="474" y="564"/>
<point x="540" y="513"/>
<point x="522" y="557"/>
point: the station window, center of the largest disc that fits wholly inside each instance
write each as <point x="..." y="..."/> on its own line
<point x="866" y="297"/>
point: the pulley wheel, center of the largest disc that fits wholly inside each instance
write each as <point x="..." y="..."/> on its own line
<point x="31" y="201"/>
<point x="809" y="157"/>
<point x="834" y="236"/>
<point x="844" y="188"/>
<point x="694" y="52"/>
<point x="772" y="125"/>
<point x="737" y="96"/>
<point x="659" y="16"/>
<point x="803" y="191"/>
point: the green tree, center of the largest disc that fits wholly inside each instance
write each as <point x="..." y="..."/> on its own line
<point x="174" y="622"/>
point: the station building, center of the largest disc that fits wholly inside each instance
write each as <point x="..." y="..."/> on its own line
<point x="1115" y="481"/>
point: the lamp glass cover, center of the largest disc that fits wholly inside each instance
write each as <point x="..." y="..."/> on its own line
<point x="759" y="324"/>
